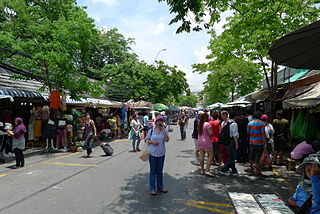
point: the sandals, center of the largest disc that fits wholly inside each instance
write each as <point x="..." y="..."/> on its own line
<point x="153" y="193"/>
<point x="163" y="190"/>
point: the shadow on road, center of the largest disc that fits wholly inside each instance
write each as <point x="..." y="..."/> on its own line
<point x="135" y="197"/>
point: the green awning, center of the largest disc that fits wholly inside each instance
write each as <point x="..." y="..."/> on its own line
<point x="159" y="107"/>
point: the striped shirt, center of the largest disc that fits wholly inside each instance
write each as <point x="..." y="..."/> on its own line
<point x="255" y="130"/>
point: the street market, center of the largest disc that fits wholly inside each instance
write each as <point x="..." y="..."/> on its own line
<point x="117" y="106"/>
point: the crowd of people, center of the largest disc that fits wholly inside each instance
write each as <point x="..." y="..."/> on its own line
<point x="228" y="138"/>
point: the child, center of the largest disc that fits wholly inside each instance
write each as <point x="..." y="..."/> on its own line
<point x="306" y="199"/>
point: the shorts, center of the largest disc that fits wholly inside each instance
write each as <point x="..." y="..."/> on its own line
<point x="146" y="128"/>
<point x="256" y="153"/>
<point x="280" y="143"/>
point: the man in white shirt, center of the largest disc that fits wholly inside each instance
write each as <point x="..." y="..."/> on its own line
<point x="231" y="146"/>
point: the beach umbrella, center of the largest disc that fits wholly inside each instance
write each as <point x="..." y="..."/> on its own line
<point x="173" y="108"/>
<point x="159" y="107"/>
<point x="299" y="49"/>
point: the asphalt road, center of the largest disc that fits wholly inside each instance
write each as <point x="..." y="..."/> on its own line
<point x="68" y="183"/>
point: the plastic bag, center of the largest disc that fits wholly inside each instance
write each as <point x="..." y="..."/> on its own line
<point x="145" y="152"/>
<point x="265" y="159"/>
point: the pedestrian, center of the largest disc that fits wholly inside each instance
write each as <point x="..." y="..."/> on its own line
<point x="256" y="131"/>
<point x="183" y="124"/>
<point x="281" y="137"/>
<point x="215" y="126"/>
<point x="243" y="151"/>
<point x="145" y="123"/>
<point x="18" y="142"/>
<point x="156" y="138"/>
<point x="195" y="137"/>
<point x="306" y="199"/>
<point x="223" y="150"/>
<point x="230" y="136"/>
<point x="136" y="128"/>
<point x="204" y="143"/>
<point x="89" y="132"/>
<point x="269" y="137"/>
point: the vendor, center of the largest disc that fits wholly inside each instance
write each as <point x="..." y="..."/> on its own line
<point x="18" y="144"/>
<point x="306" y="199"/>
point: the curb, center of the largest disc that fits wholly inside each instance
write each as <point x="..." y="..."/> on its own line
<point x="39" y="151"/>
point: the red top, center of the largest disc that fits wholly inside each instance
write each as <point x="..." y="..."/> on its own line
<point x="215" y="129"/>
<point x="55" y="100"/>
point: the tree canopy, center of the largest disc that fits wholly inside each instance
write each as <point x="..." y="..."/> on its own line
<point x="140" y="81"/>
<point x="249" y="32"/>
<point x="59" y="45"/>
<point x="236" y="77"/>
<point x="52" y="40"/>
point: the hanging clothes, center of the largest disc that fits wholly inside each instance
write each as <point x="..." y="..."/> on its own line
<point x="37" y="128"/>
<point x="45" y="113"/>
<point x="123" y="113"/>
<point x="55" y="102"/>
<point x="31" y="126"/>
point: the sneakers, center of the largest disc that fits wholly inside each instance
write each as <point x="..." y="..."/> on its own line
<point x="224" y="173"/>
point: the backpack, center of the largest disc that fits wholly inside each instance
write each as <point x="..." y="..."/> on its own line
<point x="224" y="136"/>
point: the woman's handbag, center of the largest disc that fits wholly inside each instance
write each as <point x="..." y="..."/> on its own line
<point x="145" y="152"/>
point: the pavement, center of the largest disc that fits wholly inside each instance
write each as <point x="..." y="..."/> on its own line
<point x="69" y="183"/>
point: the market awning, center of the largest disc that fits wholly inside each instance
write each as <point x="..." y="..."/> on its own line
<point x="299" y="49"/>
<point x="294" y="92"/>
<point x="307" y="100"/>
<point x="16" y="93"/>
<point x="7" y="97"/>
<point x="89" y="101"/>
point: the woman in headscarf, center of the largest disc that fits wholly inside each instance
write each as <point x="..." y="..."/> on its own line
<point x="18" y="142"/>
<point x="306" y="199"/>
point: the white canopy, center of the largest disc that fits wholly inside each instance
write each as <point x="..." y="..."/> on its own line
<point x="307" y="100"/>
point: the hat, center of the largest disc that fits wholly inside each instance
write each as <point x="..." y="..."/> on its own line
<point x="159" y="117"/>
<point x="313" y="158"/>
<point x="264" y="117"/>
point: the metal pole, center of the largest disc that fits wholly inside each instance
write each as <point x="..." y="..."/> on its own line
<point x="158" y="55"/>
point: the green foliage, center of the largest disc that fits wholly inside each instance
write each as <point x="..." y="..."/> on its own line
<point x="58" y="43"/>
<point x="112" y="48"/>
<point x="55" y="38"/>
<point x="140" y="81"/>
<point x="235" y="77"/>
<point x="250" y="31"/>
<point x="189" y="100"/>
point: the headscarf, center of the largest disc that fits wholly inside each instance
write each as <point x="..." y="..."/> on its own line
<point x="20" y="129"/>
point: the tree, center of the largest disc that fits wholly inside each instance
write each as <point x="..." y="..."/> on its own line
<point x="140" y="81"/>
<point x="189" y="100"/>
<point x="112" y="48"/>
<point x="51" y="39"/>
<point x="235" y="77"/>
<point x="251" y="29"/>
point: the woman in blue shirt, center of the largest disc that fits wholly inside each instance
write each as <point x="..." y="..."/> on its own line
<point x="306" y="199"/>
<point x="156" y="139"/>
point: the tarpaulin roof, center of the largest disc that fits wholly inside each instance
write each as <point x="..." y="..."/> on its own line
<point x="299" y="49"/>
<point x="306" y="100"/>
<point x="294" y="92"/>
<point x="299" y="74"/>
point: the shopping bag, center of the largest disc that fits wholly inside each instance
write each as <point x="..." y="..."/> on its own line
<point x="265" y="159"/>
<point x="145" y="152"/>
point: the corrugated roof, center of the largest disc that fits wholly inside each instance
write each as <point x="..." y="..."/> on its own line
<point x="9" y="83"/>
